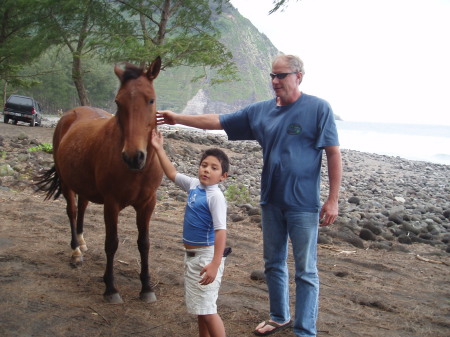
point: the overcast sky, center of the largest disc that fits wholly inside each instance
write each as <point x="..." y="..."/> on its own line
<point x="373" y="60"/>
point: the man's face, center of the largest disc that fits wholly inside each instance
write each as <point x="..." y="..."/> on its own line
<point x="287" y="88"/>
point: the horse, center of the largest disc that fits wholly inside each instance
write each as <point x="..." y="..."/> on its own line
<point x="108" y="159"/>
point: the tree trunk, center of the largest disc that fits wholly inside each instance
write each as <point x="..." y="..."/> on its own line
<point x="77" y="76"/>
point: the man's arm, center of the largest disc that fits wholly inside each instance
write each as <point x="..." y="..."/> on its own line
<point x="330" y="208"/>
<point x="206" y="122"/>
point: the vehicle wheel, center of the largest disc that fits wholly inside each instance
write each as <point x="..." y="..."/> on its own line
<point x="14" y="122"/>
<point x="5" y="119"/>
<point x="33" y="122"/>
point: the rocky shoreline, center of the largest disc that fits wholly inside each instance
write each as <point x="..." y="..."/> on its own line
<point x="386" y="202"/>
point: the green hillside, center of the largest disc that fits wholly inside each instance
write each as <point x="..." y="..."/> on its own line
<point x="252" y="52"/>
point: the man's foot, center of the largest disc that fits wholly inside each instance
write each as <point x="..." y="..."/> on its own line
<point x="270" y="327"/>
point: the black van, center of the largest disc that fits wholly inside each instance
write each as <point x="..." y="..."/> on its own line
<point x="22" y="109"/>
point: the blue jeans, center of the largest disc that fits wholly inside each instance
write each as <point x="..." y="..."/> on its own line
<point x="302" y="228"/>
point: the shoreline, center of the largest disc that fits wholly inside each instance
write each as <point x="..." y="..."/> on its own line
<point x="385" y="150"/>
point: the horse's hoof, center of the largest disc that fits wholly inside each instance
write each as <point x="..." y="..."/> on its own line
<point x="76" y="261"/>
<point x="83" y="248"/>
<point x="149" y="297"/>
<point x="113" y="298"/>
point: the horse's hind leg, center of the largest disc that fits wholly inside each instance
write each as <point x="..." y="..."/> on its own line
<point x="111" y="213"/>
<point x="143" y="216"/>
<point x="82" y="204"/>
<point x="71" y="208"/>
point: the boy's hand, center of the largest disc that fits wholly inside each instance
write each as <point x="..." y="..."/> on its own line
<point x="209" y="273"/>
<point x="157" y="139"/>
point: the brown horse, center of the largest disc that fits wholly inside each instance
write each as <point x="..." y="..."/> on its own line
<point x="108" y="159"/>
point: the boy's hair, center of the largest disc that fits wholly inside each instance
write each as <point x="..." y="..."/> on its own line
<point x="220" y="155"/>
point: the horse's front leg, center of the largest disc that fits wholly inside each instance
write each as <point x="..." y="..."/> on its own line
<point x="111" y="214"/>
<point x="143" y="215"/>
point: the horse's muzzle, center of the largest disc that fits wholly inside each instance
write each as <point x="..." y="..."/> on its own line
<point x="135" y="162"/>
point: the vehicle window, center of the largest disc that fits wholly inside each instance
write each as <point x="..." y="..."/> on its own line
<point x="20" y="100"/>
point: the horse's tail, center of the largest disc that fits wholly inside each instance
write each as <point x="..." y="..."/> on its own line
<point x="49" y="182"/>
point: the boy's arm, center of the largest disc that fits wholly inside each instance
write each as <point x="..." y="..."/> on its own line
<point x="157" y="141"/>
<point x="209" y="271"/>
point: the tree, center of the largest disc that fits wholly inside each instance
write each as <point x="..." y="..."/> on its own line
<point x="84" y="27"/>
<point x="279" y="5"/>
<point x="20" y="40"/>
<point x="182" y="32"/>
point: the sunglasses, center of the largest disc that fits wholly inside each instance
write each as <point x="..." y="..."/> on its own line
<point x="280" y="76"/>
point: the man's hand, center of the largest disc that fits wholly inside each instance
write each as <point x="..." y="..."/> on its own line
<point x="165" y="117"/>
<point x="328" y="213"/>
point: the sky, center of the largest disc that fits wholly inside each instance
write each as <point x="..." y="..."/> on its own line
<point x="382" y="61"/>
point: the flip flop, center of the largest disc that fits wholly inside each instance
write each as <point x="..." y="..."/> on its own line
<point x="277" y="327"/>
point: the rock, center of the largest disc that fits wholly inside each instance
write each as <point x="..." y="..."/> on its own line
<point x="447" y="214"/>
<point x="258" y="275"/>
<point x="375" y="229"/>
<point x="367" y="235"/>
<point x="6" y="170"/>
<point x="397" y="218"/>
<point x="354" y="200"/>
<point x="400" y="199"/>
<point x="405" y="239"/>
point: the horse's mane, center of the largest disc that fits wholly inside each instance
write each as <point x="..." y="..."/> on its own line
<point x="131" y="73"/>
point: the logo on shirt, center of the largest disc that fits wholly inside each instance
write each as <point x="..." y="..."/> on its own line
<point x="294" y="129"/>
<point x="192" y="199"/>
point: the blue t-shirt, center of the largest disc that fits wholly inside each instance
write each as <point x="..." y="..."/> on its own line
<point x="206" y="211"/>
<point x="292" y="138"/>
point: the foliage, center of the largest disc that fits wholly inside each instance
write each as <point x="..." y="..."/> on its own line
<point x="84" y="28"/>
<point x="54" y="82"/>
<point x="237" y="194"/>
<point x="45" y="147"/>
<point x="21" y="39"/>
<point x="181" y="32"/>
<point x="56" y="90"/>
<point x="279" y="5"/>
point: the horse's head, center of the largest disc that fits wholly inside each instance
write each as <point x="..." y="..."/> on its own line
<point x="136" y="109"/>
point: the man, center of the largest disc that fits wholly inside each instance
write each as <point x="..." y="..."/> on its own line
<point x="293" y="130"/>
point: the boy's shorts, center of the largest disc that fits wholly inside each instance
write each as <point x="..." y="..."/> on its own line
<point x="200" y="299"/>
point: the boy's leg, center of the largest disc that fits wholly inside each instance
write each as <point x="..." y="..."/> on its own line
<point x="203" y="330"/>
<point x="211" y="326"/>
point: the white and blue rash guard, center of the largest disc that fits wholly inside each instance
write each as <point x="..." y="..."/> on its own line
<point x="206" y="211"/>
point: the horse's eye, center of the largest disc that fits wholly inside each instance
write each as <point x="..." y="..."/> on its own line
<point x="151" y="101"/>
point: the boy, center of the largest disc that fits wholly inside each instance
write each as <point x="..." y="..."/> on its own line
<point x="204" y="234"/>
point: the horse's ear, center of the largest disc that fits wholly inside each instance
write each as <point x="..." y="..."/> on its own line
<point x="154" y="69"/>
<point x="119" y="72"/>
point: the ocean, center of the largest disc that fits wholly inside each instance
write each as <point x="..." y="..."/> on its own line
<point x="429" y="143"/>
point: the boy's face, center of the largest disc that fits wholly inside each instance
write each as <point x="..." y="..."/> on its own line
<point x="210" y="171"/>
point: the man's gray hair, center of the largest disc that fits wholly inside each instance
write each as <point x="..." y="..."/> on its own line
<point x="294" y="62"/>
